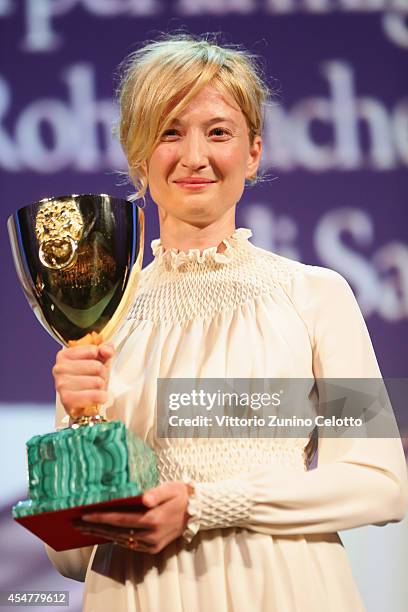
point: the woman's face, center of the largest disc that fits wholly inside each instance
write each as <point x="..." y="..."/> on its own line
<point x="197" y="172"/>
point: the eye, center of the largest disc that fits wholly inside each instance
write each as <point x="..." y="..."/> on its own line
<point x="170" y="133"/>
<point x="220" y="131"/>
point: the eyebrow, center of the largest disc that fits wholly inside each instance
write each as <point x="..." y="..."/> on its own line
<point x="209" y="122"/>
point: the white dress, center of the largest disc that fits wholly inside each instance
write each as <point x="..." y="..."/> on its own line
<point x="262" y="535"/>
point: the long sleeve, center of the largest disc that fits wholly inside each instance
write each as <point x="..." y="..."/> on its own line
<point x="357" y="481"/>
<point x="70" y="563"/>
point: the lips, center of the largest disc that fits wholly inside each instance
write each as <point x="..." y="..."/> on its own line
<point x="194" y="180"/>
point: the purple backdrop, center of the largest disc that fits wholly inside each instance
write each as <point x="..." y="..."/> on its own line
<point x="336" y="142"/>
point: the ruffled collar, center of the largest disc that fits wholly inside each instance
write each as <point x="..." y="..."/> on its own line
<point x="175" y="258"/>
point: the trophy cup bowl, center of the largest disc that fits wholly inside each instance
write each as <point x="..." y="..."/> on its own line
<point x="78" y="259"/>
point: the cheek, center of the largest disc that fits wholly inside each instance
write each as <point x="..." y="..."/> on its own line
<point x="161" y="163"/>
<point x="232" y="161"/>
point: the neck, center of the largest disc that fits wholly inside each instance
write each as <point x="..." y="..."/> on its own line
<point x="184" y="236"/>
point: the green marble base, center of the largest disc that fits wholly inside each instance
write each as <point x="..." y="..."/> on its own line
<point x="91" y="464"/>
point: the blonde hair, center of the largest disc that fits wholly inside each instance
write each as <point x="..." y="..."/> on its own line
<point x="158" y="81"/>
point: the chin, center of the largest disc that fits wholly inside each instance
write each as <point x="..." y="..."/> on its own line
<point x="194" y="208"/>
<point x="201" y="218"/>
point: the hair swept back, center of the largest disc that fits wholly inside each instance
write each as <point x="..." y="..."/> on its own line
<point x="158" y="80"/>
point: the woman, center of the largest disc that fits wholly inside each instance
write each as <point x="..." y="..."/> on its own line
<point x="235" y="522"/>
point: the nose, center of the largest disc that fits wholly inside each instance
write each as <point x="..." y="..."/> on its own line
<point x="194" y="151"/>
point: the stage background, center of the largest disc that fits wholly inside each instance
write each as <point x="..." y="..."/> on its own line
<point x="335" y="149"/>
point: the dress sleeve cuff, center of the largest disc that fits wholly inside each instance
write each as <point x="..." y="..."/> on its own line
<point x="194" y="513"/>
<point x="225" y="503"/>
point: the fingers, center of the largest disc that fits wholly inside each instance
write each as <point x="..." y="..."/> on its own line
<point x="135" y="520"/>
<point x="81" y="383"/>
<point x="86" y="367"/>
<point x="89" y="351"/>
<point x="134" y="539"/>
<point x="163" y="493"/>
<point x="105" y="530"/>
<point x="75" y="401"/>
<point x="106" y="352"/>
<point x="65" y="373"/>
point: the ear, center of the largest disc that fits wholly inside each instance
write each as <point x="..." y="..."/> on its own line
<point x="255" y="152"/>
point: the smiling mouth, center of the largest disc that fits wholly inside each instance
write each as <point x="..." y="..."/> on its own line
<point x="194" y="184"/>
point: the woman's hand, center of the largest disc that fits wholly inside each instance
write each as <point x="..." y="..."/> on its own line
<point x="81" y="375"/>
<point x="150" y="530"/>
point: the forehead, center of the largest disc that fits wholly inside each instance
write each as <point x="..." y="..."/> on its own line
<point x="211" y="102"/>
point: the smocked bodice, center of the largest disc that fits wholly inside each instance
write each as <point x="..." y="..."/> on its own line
<point x="204" y="460"/>
<point x="179" y="286"/>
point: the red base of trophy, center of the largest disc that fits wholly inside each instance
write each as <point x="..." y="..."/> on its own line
<point x="58" y="528"/>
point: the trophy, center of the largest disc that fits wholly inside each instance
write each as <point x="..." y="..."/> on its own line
<point x="78" y="258"/>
